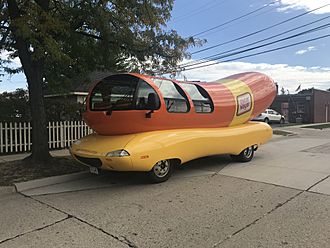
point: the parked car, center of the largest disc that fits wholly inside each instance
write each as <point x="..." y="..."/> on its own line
<point x="270" y="116"/>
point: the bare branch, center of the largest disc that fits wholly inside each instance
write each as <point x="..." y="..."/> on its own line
<point x="4" y="36"/>
<point x="89" y="35"/>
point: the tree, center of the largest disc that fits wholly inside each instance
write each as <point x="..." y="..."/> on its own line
<point x="14" y="106"/>
<point x="58" y="41"/>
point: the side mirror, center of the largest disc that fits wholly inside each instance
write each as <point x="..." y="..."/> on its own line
<point x="152" y="104"/>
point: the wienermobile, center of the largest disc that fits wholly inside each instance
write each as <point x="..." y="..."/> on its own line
<point x="151" y="124"/>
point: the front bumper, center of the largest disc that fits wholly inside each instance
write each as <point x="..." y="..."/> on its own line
<point x="103" y="162"/>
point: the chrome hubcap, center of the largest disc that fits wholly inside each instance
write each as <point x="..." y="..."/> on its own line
<point x="162" y="168"/>
<point x="248" y="152"/>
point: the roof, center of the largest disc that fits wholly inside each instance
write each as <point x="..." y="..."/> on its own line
<point x="81" y="87"/>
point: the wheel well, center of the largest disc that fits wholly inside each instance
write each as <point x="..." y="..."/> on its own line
<point x="176" y="161"/>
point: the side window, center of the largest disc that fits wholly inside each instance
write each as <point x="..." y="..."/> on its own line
<point x="174" y="97"/>
<point x="201" y="99"/>
<point x="144" y="96"/>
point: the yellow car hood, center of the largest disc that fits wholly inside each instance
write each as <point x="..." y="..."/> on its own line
<point x="94" y="144"/>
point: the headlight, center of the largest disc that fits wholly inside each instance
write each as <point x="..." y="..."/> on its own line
<point x="118" y="153"/>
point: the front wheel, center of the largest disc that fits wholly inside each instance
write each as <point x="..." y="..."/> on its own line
<point x="245" y="156"/>
<point x="161" y="171"/>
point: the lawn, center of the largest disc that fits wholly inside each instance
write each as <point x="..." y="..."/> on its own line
<point x="20" y="171"/>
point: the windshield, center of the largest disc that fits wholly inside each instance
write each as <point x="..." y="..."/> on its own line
<point x="120" y="92"/>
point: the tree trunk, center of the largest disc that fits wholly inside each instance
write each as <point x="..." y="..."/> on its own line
<point x="33" y="71"/>
<point x="40" y="151"/>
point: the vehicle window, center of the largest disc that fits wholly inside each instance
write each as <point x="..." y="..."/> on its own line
<point x="175" y="99"/>
<point x="143" y="95"/>
<point x="199" y="96"/>
<point x="114" y="93"/>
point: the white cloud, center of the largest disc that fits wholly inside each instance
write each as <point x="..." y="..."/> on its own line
<point x="286" y="76"/>
<point x="4" y="55"/>
<point x="305" y="5"/>
<point x="308" y="49"/>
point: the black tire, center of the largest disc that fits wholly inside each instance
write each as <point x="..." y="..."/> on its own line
<point x="282" y="121"/>
<point x="161" y="171"/>
<point x="266" y="120"/>
<point x="245" y="156"/>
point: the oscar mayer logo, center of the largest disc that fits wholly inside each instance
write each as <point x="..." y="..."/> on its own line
<point x="244" y="103"/>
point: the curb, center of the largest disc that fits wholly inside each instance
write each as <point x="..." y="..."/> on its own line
<point x="7" y="189"/>
<point x="38" y="183"/>
<point x="285" y="133"/>
<point x="20" y="156"/>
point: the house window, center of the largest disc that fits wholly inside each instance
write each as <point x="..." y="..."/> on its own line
<point x="175" y="99"/>
<point x="300" y="108"/>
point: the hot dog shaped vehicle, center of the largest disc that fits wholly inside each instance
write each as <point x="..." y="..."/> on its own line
<point x="150" y="124"/>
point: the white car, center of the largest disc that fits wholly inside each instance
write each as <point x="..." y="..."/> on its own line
<point x="270" y="116"/>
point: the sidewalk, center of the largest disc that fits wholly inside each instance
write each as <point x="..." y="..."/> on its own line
<point x="20" y="156"/>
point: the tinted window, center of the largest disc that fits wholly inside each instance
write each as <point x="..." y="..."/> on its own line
<point x="174" y="97"/>
<point x="202" y="100"/>
<point x="114" y="93"/>
<point x="144" y="96"/>
<point x="122" y="92"/>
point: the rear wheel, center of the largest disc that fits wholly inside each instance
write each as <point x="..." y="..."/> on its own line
<point x="161" y="171"/>
<point x="266" y="120"/>
<point x="245" y="156"/>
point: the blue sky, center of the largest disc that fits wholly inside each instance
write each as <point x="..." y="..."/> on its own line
<point x="305" y="64"/>
<point x="209" y="13"/>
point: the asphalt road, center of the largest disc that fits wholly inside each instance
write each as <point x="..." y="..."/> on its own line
<point x="280" y="199"/>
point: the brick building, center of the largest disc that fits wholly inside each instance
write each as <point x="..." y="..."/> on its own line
<point x="308" y="106"/>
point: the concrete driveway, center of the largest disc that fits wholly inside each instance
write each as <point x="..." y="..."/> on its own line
<point x="280" y="199"/>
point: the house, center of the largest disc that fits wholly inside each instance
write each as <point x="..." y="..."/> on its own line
<point x="80" y="92"/>
<point x="308" y="106"/>
<point x="69" y="105"/>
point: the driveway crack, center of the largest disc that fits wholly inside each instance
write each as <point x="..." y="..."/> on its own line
<point x="256" y="220"/>
<point x="269" y="212"/>
<point x="121" y="239"/>
<point x="35" y="230"/>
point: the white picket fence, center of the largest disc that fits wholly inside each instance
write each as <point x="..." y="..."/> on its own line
<point x="16" y="137"/>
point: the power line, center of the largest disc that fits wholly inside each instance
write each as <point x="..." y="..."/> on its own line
<point x="259" y="53"/>
<point x="267" y="44"/>
<point x="260" y="30"/>
<point x="238" y="21"/>
<point x="253" y="43"/>
<point x="235" y="19"/>
<point x="198" y="11"/>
